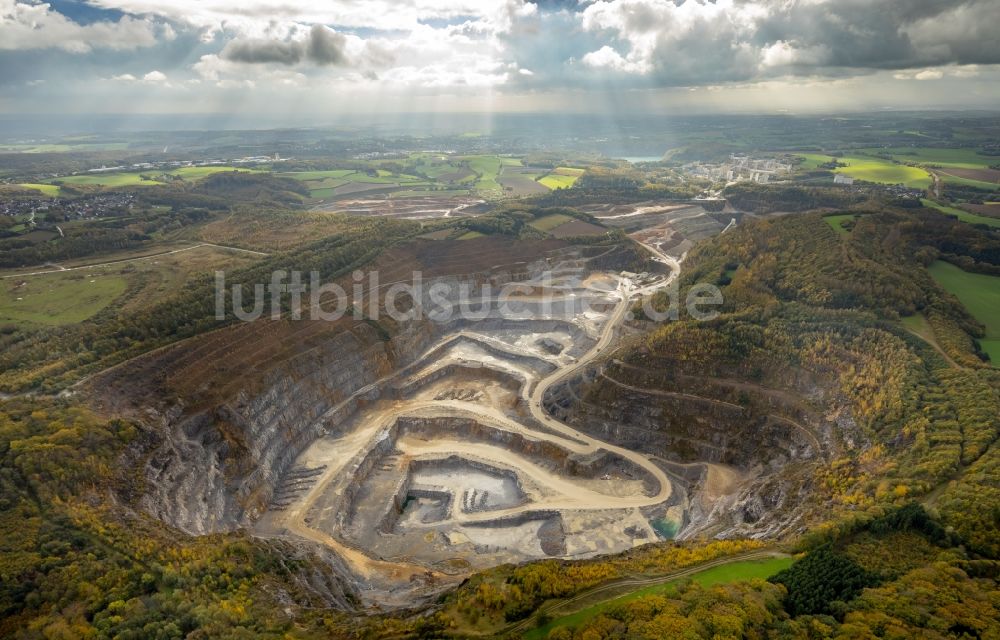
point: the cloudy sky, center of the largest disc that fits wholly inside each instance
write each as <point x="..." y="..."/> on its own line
<point x="361" y="56"/>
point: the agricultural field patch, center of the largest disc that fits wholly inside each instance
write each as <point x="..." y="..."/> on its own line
<point x="575" y="228"/>
<point x="953" y="179"/>
<point x="988" y="209"/>
<point x="58" y="298"/>
<point x="871" y="169"/>
<point x="555" y="181"/>
<point x="980" y="294"/>
<point x="49" y="190"/>
<point x="991" y="176"/>
<point x="883" y="171"/>
<point x="118" y="179"/>
<point x="521" y="184"/>
<point x="197" y="173"/>
<point x="954" y="158"/>
<point x="550" y="222"/>
<point x="961" y="214"/>
<point x="316" y="175"/>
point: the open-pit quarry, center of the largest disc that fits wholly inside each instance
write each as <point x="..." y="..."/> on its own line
<point x="453" y="463"/>
<point x="415" y="451"/>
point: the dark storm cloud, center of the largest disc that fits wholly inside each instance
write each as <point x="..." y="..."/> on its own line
<point x="326" y="46"/>
<point x="323" y="47"/>
<point x="698" y="42"/>
<point x="889" y="34"/>
<point x="263" y="51"/>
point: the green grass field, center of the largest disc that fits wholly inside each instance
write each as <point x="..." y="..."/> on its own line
<point x="50" y="190"/>
<point x="961" y="214"/>
<point x="884" y="172"/>
<point x="980" y="294"/>
<point x="469" y="235"/>
<point x="317" y="175"/>
<point x="548" y="223"/>
<point x="556" y="181"/>
<point x="813" y="160"/>
<point x="956" y="158"/>
<point x="732" y="572"/>
<point x="872" y="170"/>
<point x="109" y="180"/>
<point x="488" y="168"/>
<point x="968" y="182"/>
<point x="835" y="222"/>
<point x="57" y="298"/>
<point x="569" y="171"/>
<point x="196" y="173"/>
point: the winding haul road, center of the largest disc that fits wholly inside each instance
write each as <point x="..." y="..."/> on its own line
<point x="568" y="495"/>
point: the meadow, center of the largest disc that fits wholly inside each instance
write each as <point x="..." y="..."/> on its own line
<point x="117" y="179"/>
<point x="548" y="223"/>
<point x="730" y="572"/>
<point x="954" y="158"/>
<point x="980" y="294"/>
<point x="197" y="173"/>
<point x="883" y="171"/>
<point x="561" y="177"/>
<point x="49" y="190"/>
<point x="836" y="222"/>
<point x="872" y="169"/>
<point x="488" y="169"/>
<point x="58" y="298"/>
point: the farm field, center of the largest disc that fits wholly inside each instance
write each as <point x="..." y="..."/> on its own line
<point x="988" y="209"/>
<point x="122" y="179"/>
<point x="575" y="228"/>
<point x="550" y="222"/>
<point x="59" y="298"/>
<point x="561" y="177"/>
<point x="954" y="158"/>
<point x="961" y="214"/>
<point x="324" y="185"/>
<point x="980" y="294"/>
<point x="49" y="190"/>
<point x="951" y="176"/>
<point x="872" y="169"/>
<point x="131" y="280"/>
<point x="731" y="572"/>
<point x="316" y="175"/>
<point x="556" y="181"/>
<point x="487" y="168"/>
<point x="196" y="173"/>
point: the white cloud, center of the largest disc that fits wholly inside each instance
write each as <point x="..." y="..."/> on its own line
<point x="255" y="18"/>
<point x="154" y="77"/>
<point x="608" y="58"/>
<point x="37" y="26"/>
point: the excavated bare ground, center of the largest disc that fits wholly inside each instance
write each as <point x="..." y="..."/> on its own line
<point x="417" y="452"/>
